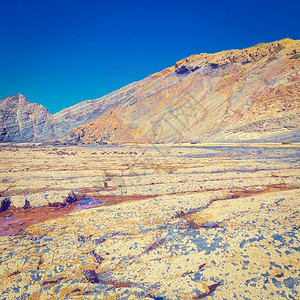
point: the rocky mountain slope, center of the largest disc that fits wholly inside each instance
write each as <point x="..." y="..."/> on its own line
<point x="235" y="95"/>
<point x="22" y="121"/>
<point x="231" y="96"/>
<point x="86" y="111"/>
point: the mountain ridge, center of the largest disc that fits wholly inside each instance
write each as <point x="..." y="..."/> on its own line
<point x="23" y="121"/>
<point x="234" y="95"/>
<point x="207" y="97"/>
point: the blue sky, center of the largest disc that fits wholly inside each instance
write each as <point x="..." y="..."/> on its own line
<point x="58" y="53"/>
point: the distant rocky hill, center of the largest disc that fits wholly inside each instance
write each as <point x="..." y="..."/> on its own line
<point x="230" y="96"/>
<point x="22" y="121"/>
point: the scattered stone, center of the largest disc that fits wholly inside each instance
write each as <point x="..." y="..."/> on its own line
<point x="256" y="242"/>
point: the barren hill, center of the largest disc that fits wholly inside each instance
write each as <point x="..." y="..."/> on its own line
<point x="230" y="96"/>
<point x="22" y="121"/>
<point x="236" y="95"/>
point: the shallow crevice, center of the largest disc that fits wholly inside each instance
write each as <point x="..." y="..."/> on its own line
<point x="208" y="225"/>
<point x="46" y="282"/>
<point x="211" y="288"/>
<point x="98" y="258"/>
<point x="14" y="273"/>
<point x="156" y="245"/>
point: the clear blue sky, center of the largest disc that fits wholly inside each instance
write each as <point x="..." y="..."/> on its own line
<point x="60" y="52"/>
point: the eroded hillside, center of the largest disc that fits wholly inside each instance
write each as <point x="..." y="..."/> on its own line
<point x="235" y="95"/>
<point x="230" y="96"/>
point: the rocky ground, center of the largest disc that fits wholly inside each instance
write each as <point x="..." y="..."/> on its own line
<point x="150" y="222"/>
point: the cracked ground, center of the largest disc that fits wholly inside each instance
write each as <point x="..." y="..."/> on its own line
<point x="170" y="223"/>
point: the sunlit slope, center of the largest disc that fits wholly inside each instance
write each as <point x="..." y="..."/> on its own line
<point x="231" y="96"/>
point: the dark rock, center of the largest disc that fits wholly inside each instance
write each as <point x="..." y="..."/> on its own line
<point x="26" y="205"/>
<point x="14" y="273"/>
<point x="182" y="70"/>
<point x="91" y="276"/>
<point x="214" y="66"/>
<point x="156" y="244"/>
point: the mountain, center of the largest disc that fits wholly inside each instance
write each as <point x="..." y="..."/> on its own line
<point x="22" y="121"/>
<point x="86" y="111"/>
<point x="231" y="96"/>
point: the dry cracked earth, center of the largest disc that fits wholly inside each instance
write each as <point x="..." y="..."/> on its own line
<point x="150" y="222"/>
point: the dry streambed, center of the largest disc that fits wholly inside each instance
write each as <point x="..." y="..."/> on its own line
<point x="166" y="222"/>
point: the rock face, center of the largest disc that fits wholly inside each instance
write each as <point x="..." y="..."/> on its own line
<point x="22" y="121"/>
<point x="234" y="96"/>
<point x="231" y="96"/>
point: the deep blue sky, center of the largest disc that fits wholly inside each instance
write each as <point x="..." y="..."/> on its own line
<point x="60" y="52"/>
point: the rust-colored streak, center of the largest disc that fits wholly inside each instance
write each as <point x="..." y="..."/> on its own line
<point x="29" y="217"/>
<point x="114" y="199"/>
<point x="115" y="283"/>
<point x="22" y="219"/>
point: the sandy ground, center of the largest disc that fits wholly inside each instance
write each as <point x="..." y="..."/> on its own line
<point x="163" y="221"/>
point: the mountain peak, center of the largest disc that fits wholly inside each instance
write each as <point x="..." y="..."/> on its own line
<point x="224" y="58"/>
<point x="15" y="96"/>
<point x="20" y="95"/>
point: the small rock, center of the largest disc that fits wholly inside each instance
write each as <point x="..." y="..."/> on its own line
<point x="91" y="276"/>
<point x="26" y="205"/>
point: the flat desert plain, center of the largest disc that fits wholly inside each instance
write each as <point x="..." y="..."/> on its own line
<point x="150" y="222"/>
